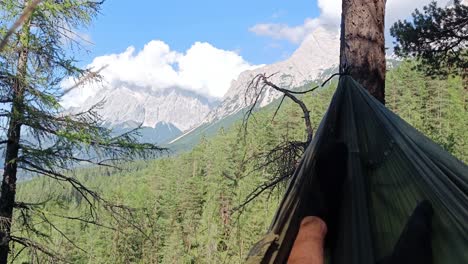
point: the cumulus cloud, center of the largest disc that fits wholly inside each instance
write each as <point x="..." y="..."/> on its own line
<point x="400" y="9"/>
<point x="330" y="16"/>
<point x="203" y="68"/>
<point x="294" y="34"/>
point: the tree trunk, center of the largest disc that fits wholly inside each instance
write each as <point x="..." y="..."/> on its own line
<point x="464" y="76"/>
<point x="362" y="51"/>
<point x="8" y="191"/>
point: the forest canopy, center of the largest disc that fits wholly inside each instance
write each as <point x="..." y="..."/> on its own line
<point x="184" y="204"/>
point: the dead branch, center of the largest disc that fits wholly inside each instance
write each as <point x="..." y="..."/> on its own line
<point x="36" y="247"/>
<point x="282" y="160"/>
<point x="260" y="82"/>
<point x="24" y="16"/>
<point x="89" y="76"/>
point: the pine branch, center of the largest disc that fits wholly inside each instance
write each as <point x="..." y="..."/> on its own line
<point x="39" y="247"/>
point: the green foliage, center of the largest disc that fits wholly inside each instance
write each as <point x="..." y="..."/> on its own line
<point x="435" y="107"/>
<point x="437" y="36"/>
<point x="182" y="205"/>
<point x="38" y="135"/>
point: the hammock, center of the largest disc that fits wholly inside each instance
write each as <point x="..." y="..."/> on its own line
<point x="391" y="167"/>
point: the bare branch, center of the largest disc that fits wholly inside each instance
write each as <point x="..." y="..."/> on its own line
<point x="87" y="221"/>
<point x="258" y="191"/>
<point x="89" y="76"/>
<point x="263" y="81"/>
<point x="24" y="16"/>
<point x="278" y="108"/>
<point x="36" y="246"/>
<point x="47" y="221"/>
<point x="281" y="160"/>
<point x="24" y="205"/>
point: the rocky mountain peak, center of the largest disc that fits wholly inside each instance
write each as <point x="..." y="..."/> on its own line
<point x="317" y="53"/>
<point x="129" y="104"/>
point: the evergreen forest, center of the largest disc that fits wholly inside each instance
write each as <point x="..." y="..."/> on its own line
<point x="184" y="207"/>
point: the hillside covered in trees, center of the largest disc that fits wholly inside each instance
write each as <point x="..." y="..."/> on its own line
<point x="184" y="208"/>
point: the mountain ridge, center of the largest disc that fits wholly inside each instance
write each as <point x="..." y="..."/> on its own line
<point x="142" y="105"/>
<point x="318" y="53"/>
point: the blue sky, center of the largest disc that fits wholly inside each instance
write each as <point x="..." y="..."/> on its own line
<point x="203" y="45"/>
<point x="224" y="24"/>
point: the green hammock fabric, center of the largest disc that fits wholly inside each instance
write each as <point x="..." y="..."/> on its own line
<point x="391" y="168"/>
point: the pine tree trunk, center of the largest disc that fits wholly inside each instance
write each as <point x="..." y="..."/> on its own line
<point x="362" y="51"/>
<point x="464" y="76"/>
<point x="8" y="191"/>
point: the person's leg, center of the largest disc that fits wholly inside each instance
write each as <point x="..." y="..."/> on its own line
<point x="321" y="206"/>
<point x="308" y="246"/>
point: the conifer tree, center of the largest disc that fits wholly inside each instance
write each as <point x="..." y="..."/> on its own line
<point x="37" y="135"/>
<point x="438" y="36"/>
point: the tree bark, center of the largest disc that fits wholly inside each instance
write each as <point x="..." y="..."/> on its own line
<point x="8" y="189"/>
<point x="362" y="51"/>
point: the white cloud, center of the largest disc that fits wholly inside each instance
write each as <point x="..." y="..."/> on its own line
<point x="400" y="9"/>
<point x="282" y="31"/>
<point x="202" y="68"/>
<point x="330" y="11"/>
<point x="330" y="16"/>
<point x="209" y="70"/>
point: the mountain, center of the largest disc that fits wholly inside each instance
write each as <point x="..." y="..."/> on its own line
<point x="161" y="133"/>
<point x="127" y="104"/>
<point x="317" y="54"/>
<point x="315" y="60"/>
